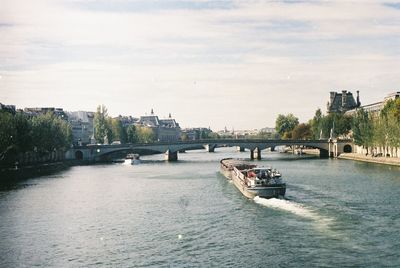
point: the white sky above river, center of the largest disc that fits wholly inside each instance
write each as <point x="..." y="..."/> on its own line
<point x="210" y="63"/>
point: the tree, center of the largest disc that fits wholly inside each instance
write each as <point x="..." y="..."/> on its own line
<point x="43" y="133"/>
<point x="102" y="126"/>
<point x="362" y="129"/>
<point x="284" y="125"/>
<point x="388" y="129"/>
<point x="339" y="122"/>
<point x="23" y="127"/>
<point x="266" y="135"/>
<point x="184" y="137"/>
<point x="302" y="132"/>
<point x="396" y="108"/>
<point x="145" y="134"/>
<point x="343" y="124"/>
<point x="379" y="132"/>
<point x="118" y="131"/>
<point x="7" y="134"/>
<point x="61" y="132"/>
<point x="131" y="135"/>
<point x="50" y="133"/>
<point x="212" y="135"/>
<point x="315" y="124"/>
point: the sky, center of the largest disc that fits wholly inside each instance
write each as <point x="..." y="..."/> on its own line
<point x="209" y="63"/>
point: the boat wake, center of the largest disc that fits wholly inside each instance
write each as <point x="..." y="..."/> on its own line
<point x="325" y="225"/>
<point x="321" y="222"/>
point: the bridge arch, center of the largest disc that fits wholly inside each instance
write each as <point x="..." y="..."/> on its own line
<point x="122" y="152"/>
<point x="347" y="148"/>
<point x="79" y="155"/>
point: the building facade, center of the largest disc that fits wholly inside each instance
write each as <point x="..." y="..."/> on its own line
<point x="342" y="102"/>
<point x="375" y="108"/>
<point x="59" y="112"/>
<point x="198" y="133"/>
<point x="164" y="129"/>
<point x="127" y="120"/>
<point x="82" y="127"/>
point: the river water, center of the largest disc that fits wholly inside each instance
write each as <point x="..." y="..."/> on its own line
<point x="337" y="213"/>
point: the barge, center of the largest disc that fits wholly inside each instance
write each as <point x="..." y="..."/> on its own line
<point x="253" y="181"/>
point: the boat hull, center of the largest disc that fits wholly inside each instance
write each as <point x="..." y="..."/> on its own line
<point x="264" y="191"/>
<point x="227" y="173"/>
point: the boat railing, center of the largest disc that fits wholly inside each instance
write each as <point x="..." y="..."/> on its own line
<point x="238" y="173"/>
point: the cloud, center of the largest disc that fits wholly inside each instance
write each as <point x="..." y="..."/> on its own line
<point x="138" y="6"/>
<point x="395" y="5"/>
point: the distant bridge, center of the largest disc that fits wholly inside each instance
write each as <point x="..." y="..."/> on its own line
<point x="95" y="153"/>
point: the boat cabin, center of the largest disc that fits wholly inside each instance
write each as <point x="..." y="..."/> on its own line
<point x="262" y="176"/>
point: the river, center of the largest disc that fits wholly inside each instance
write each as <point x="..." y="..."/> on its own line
<point x="337" y="213"/>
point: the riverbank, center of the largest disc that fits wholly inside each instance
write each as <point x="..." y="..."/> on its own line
<point x="12" y="175"/>
<point x="310" y="151"/>
<point x="368" y="158"/>
<point x="302" y="151"/>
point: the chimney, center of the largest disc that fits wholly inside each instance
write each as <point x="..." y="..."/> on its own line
<point x="358" y="99"/>
<point x="332" y="96"/>
<point x="344" y="98"/>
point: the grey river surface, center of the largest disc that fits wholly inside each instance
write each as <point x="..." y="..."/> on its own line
<point x="338" y="213"/>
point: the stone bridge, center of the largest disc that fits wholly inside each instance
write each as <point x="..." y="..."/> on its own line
<point x="95" y="153"/>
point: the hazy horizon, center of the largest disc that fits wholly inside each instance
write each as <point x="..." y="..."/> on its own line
<point x="209" y="63"/>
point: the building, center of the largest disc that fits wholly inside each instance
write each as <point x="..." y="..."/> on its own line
<point x="127" y="120"/>
<point x="164" y="129"/>
<point x="271" y="130"/>
<point x="342" y="102"/>
<point x="59" y="112"/>
<point x="245" y="133"/>
<point x="193" y="134"/>
<point x="375" y="108"/>
<point x="82" y="127"/>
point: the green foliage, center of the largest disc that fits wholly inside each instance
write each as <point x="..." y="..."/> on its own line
<point x="50" y="133"/>
<point x="184" y="137"/>
<point x="207" y="134"/>
<point x="119" y="132"/>
<point x="145" y="135"/>
<point x="266" y="135"/>
<point x="387" y="125"/>
<point x="284" y="125"/>
<point x="378" y="130"/>
<point x="23" y="127"/>
<point x="339" y="122"/>
<point x="42" y="133"/>
<point x="362" y="129"/>
<point x="7" y="132"/>
<point x="102" y="125"/>
<point x="131" y="135"/>
<point x="212" y="135"/>
<point x="302" y="132"/>
<point x="316" y="124"/>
